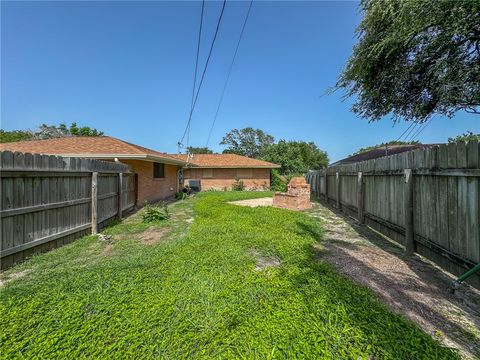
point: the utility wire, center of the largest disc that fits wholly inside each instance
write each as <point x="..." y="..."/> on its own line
<point x="196" y="64"/>
<point x="229" y="72"/>
<point x="421" y="129"/>
<point x="410" y="131"/>
<point x="405" y="131"/>
<point x="204" y="71"/>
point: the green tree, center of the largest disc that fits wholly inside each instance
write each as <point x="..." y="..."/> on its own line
<point x="199" y="150"/>
<point x="296" y="157"/>
<point x="83" y="130"/>
<point x="15" y="135"/>
<point x="468" y="136"/>
<point x="415" y="59"/>
<point x="386" y="144"/>
<point x="247" y="142"/>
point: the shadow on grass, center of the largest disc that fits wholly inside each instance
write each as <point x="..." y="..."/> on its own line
<point x="416" y="295"/>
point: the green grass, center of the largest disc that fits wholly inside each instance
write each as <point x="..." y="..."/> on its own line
<point x="199" y="294"/>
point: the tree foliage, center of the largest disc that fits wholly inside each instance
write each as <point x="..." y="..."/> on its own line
<point x="199" y="150"/>
<point x="468" y="136"/>
<point x="247" y="142"/>
<point x="53" y="131"/>
<point x="15" y="135"/>
<point x="415" y="59"/>
<point x="296" y="157"/>
<point x="45" y="131"/>
<point x="393" y="142"/>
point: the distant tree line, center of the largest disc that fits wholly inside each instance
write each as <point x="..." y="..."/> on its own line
<point x="45" y="131"/>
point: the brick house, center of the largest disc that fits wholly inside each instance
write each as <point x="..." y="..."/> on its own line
<point x="157" y="173"/>
<point x="221" y="171"/>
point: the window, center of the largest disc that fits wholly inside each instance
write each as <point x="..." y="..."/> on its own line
<point x="158" y="171"/>
<point x="207" y="173"/>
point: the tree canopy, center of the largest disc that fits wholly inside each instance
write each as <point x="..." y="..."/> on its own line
<point x="45" y="131"/>
<point x="199" y="150"/>
<point x="415" y="59"/>
<point x="247" y="142"/>
<point x="296" y="157"/>
<point x="14" y="135"/>
<point x="468" y="136"/>
<point x="393" y="142"/>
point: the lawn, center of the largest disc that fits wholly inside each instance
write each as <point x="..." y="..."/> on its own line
<point x="238" y="283"/>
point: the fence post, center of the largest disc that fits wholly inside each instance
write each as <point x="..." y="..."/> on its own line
<point x="94" y="202"/>
<point x="120" y="195"/>
<point x="337" y="182"/>
<point x="326" y="185"/>
<point x="360" y="197"/>
<point x="408" y="200"/>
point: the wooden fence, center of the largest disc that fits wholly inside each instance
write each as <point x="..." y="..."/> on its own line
<point x="48" y="201"/>
<point x="426" y="199"/>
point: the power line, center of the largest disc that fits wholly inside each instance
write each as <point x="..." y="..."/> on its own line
<point x="196" y="63"/>
<point x="229" y="72"/>
<point x="421" y="130"/>
<point x="410" y="131"/>
<point x="204" y="71"/>
<point x="405" y="131"/>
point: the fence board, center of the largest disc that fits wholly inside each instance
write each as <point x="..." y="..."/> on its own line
<point x="446" y="181"/>
<point x="46" y="201"/>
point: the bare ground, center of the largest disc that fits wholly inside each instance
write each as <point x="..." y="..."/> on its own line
<point x="411" y="286"/>
<point x="266" y="201"/>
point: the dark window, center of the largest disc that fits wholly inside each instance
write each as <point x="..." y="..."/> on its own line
<point x="158" y="171"/>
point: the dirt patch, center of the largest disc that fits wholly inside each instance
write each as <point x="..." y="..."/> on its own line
<point x="13" y="276"/>
<point x="152" y="235"/>
<point x="267" y="201"/>
<point x="408" y="285"/>
<point x="107" y="250"/>
<point x="264" y="262"/>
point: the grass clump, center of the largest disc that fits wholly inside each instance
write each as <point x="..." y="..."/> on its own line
<point x="242" y="283"/>
<point x="155" y="213"/>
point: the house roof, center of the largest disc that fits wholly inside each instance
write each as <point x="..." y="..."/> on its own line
<point x="379" y="152"/>
<point x="99" y="147"/>
<point x="224" y="161"/>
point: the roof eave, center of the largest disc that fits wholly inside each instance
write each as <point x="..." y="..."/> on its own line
<point x="234" y="167"/>
<point x="145" y="157"/>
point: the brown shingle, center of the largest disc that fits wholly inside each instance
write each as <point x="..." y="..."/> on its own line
<point x="85" y="146"/>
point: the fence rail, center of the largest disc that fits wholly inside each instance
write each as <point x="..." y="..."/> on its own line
<point x="47" y="201"/>
<point x="427" y="200"/>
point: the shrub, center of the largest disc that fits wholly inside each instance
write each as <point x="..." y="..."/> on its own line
<point x="238" y="185"/>
<point x="277" y="181"/>
<point x="155" y="213"/>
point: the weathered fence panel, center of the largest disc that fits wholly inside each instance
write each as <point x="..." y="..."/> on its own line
<point x="46" y="201"/>
<point x="440" y="207"/>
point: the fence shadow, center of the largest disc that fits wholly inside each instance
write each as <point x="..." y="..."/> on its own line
<point x="409" y="285"/>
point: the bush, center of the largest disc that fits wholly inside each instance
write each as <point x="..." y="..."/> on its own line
<point x="277" y="181"/>
<point x="184" y="193"/>
<point x="238" y="185"/>
<point x="155" y="213"/>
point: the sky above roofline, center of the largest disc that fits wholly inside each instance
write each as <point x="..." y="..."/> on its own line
<point x="126" y="68"/>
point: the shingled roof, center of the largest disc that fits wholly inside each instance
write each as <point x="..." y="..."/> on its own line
<point x="379" y="152"/>
<point x="99" y="147"/>
<point x="224" y="161"/>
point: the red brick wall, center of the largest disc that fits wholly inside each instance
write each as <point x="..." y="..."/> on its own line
<point x="150" y="189"/>
<point x="219" y="179"/>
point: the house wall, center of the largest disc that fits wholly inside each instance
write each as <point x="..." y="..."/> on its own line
<point x="219" y="179"/>
<point x="150" y="189"/>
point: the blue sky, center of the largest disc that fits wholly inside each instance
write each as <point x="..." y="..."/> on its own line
<point x="127" y="68"/>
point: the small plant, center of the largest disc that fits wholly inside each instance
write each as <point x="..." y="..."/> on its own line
<point x="155" y="213"/>
<point x="238" y="185"/>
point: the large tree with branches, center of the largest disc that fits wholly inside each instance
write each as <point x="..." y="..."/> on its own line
<point x="414" y="59"/>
